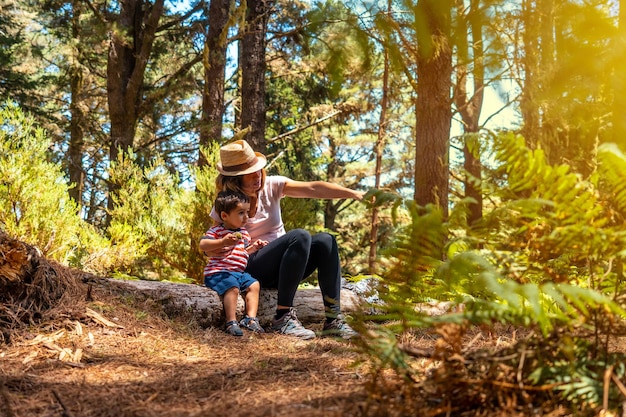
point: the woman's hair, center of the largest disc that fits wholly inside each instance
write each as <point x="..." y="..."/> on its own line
<point x="234" y="183"/>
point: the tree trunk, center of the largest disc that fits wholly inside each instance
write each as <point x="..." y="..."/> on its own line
<point x="619" y="81"/>
<point x="378" y="151"/>
<point x="214" y="73"/>
<point x="470" y="107"/>
<point x="551" y="123"/>
<point x="77" y="136"/>
<point x="253" y="72"/>
<point x="30" y="285"/>
<point x="131" y="44"/>
<point x="331" y="207"/>
<point x="528" y="107"/>
<point x="433" y="115"/>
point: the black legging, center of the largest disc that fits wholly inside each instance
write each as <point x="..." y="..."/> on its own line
<point x="286" y="261"/>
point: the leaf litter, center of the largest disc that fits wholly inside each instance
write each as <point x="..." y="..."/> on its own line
<point x="73" y="346"/>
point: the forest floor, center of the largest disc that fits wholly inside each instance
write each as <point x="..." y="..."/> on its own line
<point x="116" y="356"/>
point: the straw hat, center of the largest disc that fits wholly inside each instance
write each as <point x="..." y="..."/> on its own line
<point x="238" y="158"/>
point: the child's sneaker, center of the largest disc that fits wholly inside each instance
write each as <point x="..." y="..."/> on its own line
<point x="252" y="324"/>
<point x="291" y="326"/>
<point x="233" y="329"/>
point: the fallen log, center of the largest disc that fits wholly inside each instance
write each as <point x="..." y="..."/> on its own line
<point x="31" y="286"/>
<point x="206" y="307"/>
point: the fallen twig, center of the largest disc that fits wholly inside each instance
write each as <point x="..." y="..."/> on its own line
<point x="66" y="412"/>
<point x="100" y="319"/>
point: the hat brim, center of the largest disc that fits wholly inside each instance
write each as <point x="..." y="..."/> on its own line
<point x="260" y="164"/>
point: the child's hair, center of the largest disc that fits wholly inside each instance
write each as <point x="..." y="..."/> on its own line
<point x="226" y="201"/>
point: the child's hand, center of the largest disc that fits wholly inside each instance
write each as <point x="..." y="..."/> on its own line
<point x="258" y="244"/>
<point x="231" y="238"/>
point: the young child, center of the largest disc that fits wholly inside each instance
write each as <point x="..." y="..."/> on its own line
<point x="224" y="273"/>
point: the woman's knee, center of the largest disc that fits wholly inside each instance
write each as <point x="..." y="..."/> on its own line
<point x="325" y="241"/>
<point x="300" y="237"/>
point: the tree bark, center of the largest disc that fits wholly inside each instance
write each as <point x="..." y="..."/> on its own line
<point x="528" y="107"/>
<point x="470" y="107"/>
<point x="205" y="305"/>
<point x="131" y="44"/>
<point x="378" y="151"/>
<point x="214" y="73"/>
<point x="433" y="115"/>
<point x="77" y="135"/>
<point x="252" y="59"/>
<point x="619" y="81"/>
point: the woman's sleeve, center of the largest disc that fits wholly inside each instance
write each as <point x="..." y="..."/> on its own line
<point x="214" y="215"/>
<point x="278" y="186"/>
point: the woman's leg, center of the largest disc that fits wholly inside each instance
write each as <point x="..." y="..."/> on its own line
<point x="324" y="257"/>
<point x="281" y="264"/>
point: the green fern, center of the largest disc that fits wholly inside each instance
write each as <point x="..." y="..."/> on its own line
<point x="548" y="256"/>
<point x="546" y="306"/>
<point x="613" y="169"/>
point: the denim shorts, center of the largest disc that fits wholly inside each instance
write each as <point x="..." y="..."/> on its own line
<point x="224" y="281"/>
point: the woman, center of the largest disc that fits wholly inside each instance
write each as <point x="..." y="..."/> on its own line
<point x="291" y="256"/>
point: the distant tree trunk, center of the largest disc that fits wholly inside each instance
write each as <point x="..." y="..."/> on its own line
<point x="551" y="113"/>
<point x="214" y="72"/>
<point x="333" y="170"/>
<point x="470" y="107"/>
<point x="131" y="44"/>
<point x="559" y="118"/>
<point x="619" y="81"/>
<point x="378" y="151"/>
<point x="77" y="136"/>
<point x="252" y="58"/>
<point x="433" y="115"/>
<point x="528" y="107"/>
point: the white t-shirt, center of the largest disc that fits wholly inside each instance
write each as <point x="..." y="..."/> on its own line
<point x="267" y="223"/>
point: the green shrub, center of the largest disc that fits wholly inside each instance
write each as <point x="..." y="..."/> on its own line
<point x="35" y="206"/>
<point x="156" y="223"/>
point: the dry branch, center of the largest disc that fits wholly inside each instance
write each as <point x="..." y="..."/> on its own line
<point x="30" y="285"/>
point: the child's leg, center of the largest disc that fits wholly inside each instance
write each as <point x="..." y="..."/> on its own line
<point x="252" y="299"/>
<point x="230" y="298"/>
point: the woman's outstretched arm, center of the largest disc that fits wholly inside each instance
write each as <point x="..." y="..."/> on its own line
<point x="319" y="189"/>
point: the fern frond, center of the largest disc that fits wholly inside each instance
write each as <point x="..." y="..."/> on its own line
<point x="495" y="298"/>
<point x="612" y="165"/>
<point x="418" y="250"/>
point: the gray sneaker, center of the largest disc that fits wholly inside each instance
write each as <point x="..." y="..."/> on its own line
<point x="339" y="328"/>
<point x="291" y="326"/>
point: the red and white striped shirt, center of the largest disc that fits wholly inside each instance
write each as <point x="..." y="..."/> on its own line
<point x="235" y="260"/>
